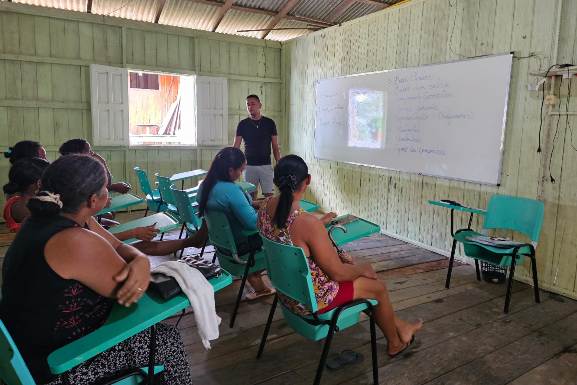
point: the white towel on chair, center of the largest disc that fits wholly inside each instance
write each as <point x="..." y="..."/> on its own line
<point x="200" y="293"/>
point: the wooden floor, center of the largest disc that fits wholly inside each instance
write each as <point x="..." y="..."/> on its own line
<point x="466" y="338"/>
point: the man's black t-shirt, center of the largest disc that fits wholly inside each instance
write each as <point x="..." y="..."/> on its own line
<point x="257" y="136"/>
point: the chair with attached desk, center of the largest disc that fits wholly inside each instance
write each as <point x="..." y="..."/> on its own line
<point x="504" y="212"/>
<point x="291" y="277"/>
<point x="13" y="369"/>
<point x="153" y="199"/>
<point x="165" y="188"/>
<point x="239" y="260"/>
<point x="191" y="222"/>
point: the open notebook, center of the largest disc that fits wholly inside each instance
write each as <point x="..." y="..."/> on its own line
<point x="503" y="243"/>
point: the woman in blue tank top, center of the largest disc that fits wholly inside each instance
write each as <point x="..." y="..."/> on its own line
<point x="219" y="192"/>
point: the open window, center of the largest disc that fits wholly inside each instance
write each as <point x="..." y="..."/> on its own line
<point x="140" y="108"/>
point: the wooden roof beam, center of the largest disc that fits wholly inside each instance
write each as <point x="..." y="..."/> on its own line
<point x="88" y="6"/>
<point x="241" y="8"/>
<point x="221" y="12"/>
<point x="340" y="9"/>
<point x="159" y="11"/>
<point x="287" y="7"/>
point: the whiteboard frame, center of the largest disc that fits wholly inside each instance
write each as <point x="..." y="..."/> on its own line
<point x="503" y="127"/>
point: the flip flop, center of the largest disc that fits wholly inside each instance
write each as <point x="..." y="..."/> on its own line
<point x="259" y="294"/>
<point x="403" y="351"/>
<point x="344" y="358"/>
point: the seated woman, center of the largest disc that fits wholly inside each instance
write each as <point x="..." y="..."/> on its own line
<point x="25" y="149"/>
<point x="63" y="273"/>
<point x="81" y="146"/>
<point x="22" y="185"/>
<point x="219" y="192"/>
<point x="336" y="279"/>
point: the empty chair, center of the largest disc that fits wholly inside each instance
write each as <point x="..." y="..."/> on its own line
<point x="504" y="212"/>
<point x="153" y="199"/>
<point x="188" y="214"/>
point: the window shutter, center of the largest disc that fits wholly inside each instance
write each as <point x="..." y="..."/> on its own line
<point x="212" y="111"/>
<point x="109" y="102"/>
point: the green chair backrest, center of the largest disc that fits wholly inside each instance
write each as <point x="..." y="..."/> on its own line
<point x="13" y="370"/>
<point x="219" y="232"/>
<point x="289" y="272"/>
<point x="164" y="186"/>
<point x="185" y="210"/>
<point x="143" y="181"/>
<point x="515" y="213"/>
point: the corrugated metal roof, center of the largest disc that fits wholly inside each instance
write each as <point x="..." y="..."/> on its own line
<point x="269" y="5"/>
<point x="69" y="5"/>
<point x="355" y="11"/>
<point x="141" y="10"/>
<point x="236" y="20"/>
<point x="314" y="8"/>
<point x="188" y="14"/>
<point x="288" y="34"/>
<point x="198" y="15"/>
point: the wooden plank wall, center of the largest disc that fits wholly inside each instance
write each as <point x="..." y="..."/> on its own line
<point x="420" y="32"/>
<point x="45" y="88"/>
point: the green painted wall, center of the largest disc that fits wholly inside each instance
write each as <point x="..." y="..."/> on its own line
<point x="434" y="31"/>
<point x="45" y="88"/>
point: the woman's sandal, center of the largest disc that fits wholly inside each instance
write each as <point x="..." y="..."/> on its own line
<point x="259" y="294"/>
<point x="402" y="351"/>
<point x="346" y="357"/>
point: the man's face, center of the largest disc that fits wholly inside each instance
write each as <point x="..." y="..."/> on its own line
<point x="253" y="106"/>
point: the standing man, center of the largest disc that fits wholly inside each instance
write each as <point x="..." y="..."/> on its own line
<point x="259" y="134"/>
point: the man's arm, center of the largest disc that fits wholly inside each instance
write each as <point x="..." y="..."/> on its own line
<point x="237" y="141"/>
<point x="275" y="149"/>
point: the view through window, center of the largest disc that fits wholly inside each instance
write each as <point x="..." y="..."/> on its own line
<point x="161" y="109"/>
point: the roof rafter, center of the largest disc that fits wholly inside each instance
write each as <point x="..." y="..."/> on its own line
<point x="340" y="9"/>
<point x="221" y="12"/>
<point x="287" y="7"/>
<point x="88" y="6"/>
<point x="159" y="10"/>
<point x="265" y="12"/>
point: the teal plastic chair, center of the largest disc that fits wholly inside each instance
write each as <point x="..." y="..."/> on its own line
<point x="290" y="275"/>
<point x="239" y="260"/>
<point x="187" y="212"/>
<point x="505" y="212"/>
<point x="165" y="189"/>
<point x="13" y="369"/>
<point x="153" y="198"/>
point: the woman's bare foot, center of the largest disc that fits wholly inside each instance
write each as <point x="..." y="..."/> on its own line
<point x="407" y="330"/>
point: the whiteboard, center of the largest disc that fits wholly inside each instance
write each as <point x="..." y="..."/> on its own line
<point x="445" y="120"/>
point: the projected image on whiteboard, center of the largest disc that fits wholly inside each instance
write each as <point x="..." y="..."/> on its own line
<point x="366" y="118"/>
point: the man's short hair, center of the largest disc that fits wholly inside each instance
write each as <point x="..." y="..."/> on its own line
<point x="253" y="96"/>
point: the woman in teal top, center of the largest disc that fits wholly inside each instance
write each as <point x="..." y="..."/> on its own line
<point x="219" y="192"/>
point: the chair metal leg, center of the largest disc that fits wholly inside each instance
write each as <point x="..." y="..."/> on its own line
<point x="535" y="279"/>
<point x="510" y="283"/>
<point x="151" y="353"/>
<point x="325" y="352"/>
<point x="267" y="327"/>
<point x="204" y="247"/>
<point x="477" y="270"/>
<point x="239" y="296"/>
<point x="146" y="211"/>
<point x="374" y="348"/>
<point x="451" y="260"/>
<point x="181" y="230"/>
<point x="161" y="236"/>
